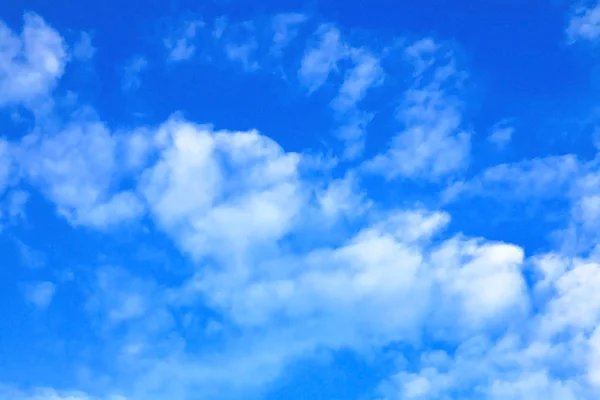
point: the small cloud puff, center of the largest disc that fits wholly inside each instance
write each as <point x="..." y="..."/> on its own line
<point x="501" y="135"/>
<point x="40" y="294"/>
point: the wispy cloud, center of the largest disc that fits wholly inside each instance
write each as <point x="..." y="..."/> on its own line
<point x="40" y="294"/>
<point x="278" y="253"/>
<point x="84" y="49"/>
<point x="584" y="23"/>
<point x="321" y="58"/>
<point x="30" y="257"/>
<point x="501" y="134"/>
<point x="285" y="27"/>
<point x="132" y="73"/>
<point x="546" y="177"/>
<point x="180" y="44"/>
<point x="366" y="73"/>
<point x="433" y="142"/>
<point x="243" y="53"/>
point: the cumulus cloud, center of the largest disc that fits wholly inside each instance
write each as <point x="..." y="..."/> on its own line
<point x="203" y="182"/>
<point x="206" y="181"/>
<point x="30" y="64"/>
<point x="75" y="168"/>
<point x="342" y="197"/>
<point x="280" y="259"/>
<point x="529" y="364"/>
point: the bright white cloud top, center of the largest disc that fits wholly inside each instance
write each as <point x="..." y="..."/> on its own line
<point x="175" y="257"/>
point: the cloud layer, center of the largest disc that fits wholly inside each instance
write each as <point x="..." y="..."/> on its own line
<point x="272" y="253"/>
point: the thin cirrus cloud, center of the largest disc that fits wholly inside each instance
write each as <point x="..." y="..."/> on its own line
<point x="276" y="259"/>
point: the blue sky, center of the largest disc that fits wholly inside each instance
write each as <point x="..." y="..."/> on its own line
<point x="298" y="200"/>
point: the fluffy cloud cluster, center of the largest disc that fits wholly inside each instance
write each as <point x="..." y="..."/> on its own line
<point x="288" y="260"/>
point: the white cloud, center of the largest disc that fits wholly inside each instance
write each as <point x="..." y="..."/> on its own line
<point x="354" y="296"/>
<point x="429" y="383"/>
<point x="321" y="57"/>
<point x="593" y="374"/>
<point x="535" y="385"/>
<point x="49" y="394"/>
<point x="291" y="262"/>
<point x="77" y="169"/>
<point x="555" y="356"/>
<point x="84" y="49"/>
<point x="30" y="64"/>
<point x="422" y="54"/>
<point x="12" y="207"/>
<point x="240" y="42"/>
<point x="433" y="143"/>
<point x="576" y="304"/>
<point x="203" y="182"/>
<point x="537" y="178"/>
<point x="137" y="148"/>
<point x="584" y="23"/>
<point x="485" y="279"/>
<point x="285" y="27"/>
<point x="353" y="132"/>
<point x="30" y="257"/>
<point x="120" y="298"/>
<point x="366" y="73"/>
<point x="219" y="27"/>
<point x="585" y="194"/>
<point x="571" y="184"/>
<point x="132" y="73"/>
<point x="40" y="294"/>
<point x="15" y="204"/>
<point x="195" y="198"/>
<point x="350" y="294"/>
<point x="6" y="164"/>
<point x="479" y="368"/>
<point x="243" y="53"/>
<point x="342" y="197"/>
<point x="180" y="45"/>
<point x="501" y="135"/>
